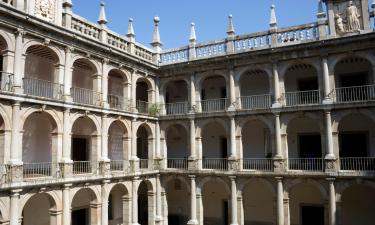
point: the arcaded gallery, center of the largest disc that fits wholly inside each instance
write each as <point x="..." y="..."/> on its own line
<point x="275" y="127"/>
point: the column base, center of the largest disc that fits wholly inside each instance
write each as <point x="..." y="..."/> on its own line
<point x="276" y="105"/>
<point x="68" y="98"/>
<point x="327" y="101"/>
<point x="135" y="224"/>
<point x="192" y="222"/>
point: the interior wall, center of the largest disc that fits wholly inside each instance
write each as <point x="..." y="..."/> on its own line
<point x="213" y="86"/>
<point x="212" y="134"/>
<point x="39" y="67"/>
<point x="296" y="73"/>
<point x="116" y="135"/>
<point x="83" y="75"/>
<point x="178" y="201"/>
<point x="142" y="92"/>
<point x="115" y="84"/>
<point x="214" y="196"/>
<point x="254" y="83"/>
<point x="256" y="140"/>
<point x="177" y="91"/>
<point x="142" y="143"/>
<point x="119" y="209"/>
<point x="177" y="142"/>
<point x="353" y="65"/>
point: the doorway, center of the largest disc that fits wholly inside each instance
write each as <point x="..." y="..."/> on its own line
<point x="353" y="144"/>
<point x="80" y="217"/>
<point x="312" y="215"/>
<point x="309" y="146"/>
<point x="226" y="212"/>
<point x="80" y="149"/>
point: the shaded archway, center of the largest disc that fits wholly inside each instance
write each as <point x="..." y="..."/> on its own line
<point x="258" y="203"/>
<point x="307" y="205"/>
<point x="4" y="66"/>
<point x="85" y="82"/>
<point x="146" y="207"/>
<point x="44" y="213"/>
<point x="255" y="90"/>
<point x="144" y="145"/>
<point x="301" y="85"/>
<point x="177" y="146"/>
<point x="117" y="141"/>
<point x="178" y="199"/>
<point x="42" y="72"/>
<point x="4" y="138"/>
<point x="144" y="95"/>
<point x="85" y="208"/>
<point x="176" y="97"/>
<point x="39" y="145"/>
<point x="118" y="96"/>
<point x="214" y="94"/>
<point x="216" y="207"/>
<point x="119" y="205"/>
<point x="357" y="204"/>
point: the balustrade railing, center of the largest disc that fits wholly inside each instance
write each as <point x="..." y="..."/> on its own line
<point x="143" y="164"/>
<point x="118" y="42"/>
<point x="42" y="88"/>
<point x="355" y="94"/>
<point x="215" y="164"/>
<point x="143" y="53"/>
<point x="4" y="173"/>
<point x="6" y="83"/>
<point x="302" y="98"/>
<point x="38" y="170"/>
<point x="119" y="165"/>
<point x="298" y="34"/>
<point x="177" y="108"/>
<point x="84" y="27"/>
<point x="306" y="164"/>
<point x="119" y="102"/>
<point x="84" y="167"/>
<point x="174" y="56"/>
<point x="358" y="164"/>
<point x="177" y="164"/>
<point x="211" y="49"/>
<point x="258" y="164"/>
<point x="252" y="41"/>
<point x="255" y="102"/>
<point x="214" y="105"/>
<point x="85" y="96"/>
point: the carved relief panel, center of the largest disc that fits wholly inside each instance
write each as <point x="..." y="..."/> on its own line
<point x="348" y="16"/>
<point x="45" y="9"/>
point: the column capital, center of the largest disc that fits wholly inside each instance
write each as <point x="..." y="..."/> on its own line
<point x="232" y="178"/>
<point x="331" y="179"/>
<point x="279" y="179"/>
<point x="16" y="103"/>
<point x="67" y="186"/>
<point x="15" y="192"/>
<point x="192" y="177"/>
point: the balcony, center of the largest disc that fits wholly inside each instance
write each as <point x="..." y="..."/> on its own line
<point x="143" y="164"/>
<point x="119" y="102"/>
<point x="42" y="88"/>
<point x="355" y="94"/>
<point x="119" y="165"/>
<point x="177" y="108"/>
<point x="214" y="105"/>
<point x="85" y="96"/>
<point x="39" y="170"/>
<point x="302" y="98"/>
<point x="177" y="164"/>
<point x="84" y="167"/>
<point x="357" y="164"/>
<point x="143" y="107"/>
<point x="255" y="102"/>
<point x="215" y="164"/>
<point x="6" y="83"/>
<point x="265" y="165"/>
<point x="306" y="164"/>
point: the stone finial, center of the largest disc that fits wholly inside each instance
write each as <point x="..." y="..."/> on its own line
<point x="230" y="31"/>
<point x="193" y="36"/>
<point x="67" y="3"/>
<point x="273" y="20"/>
<point x="321" y="13"/>
<point x="156" y="43"/>
<point x="373" y="4"/>
<point x="102" y="17"/>
<point x="130" y="34"/>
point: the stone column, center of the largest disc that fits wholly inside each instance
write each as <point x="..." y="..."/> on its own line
<point x="157" y="141"/>
<point x="326" y="82"/>
<point x="104" y="209"/>
<point x="134" y="90"/>
<point x="241" y="215"/>
<point x="104" y="86"/>
<point x="193" y="202"/>
<point x="15" y="149"/>
<point x="68" y="74"/>
<point x="199" y="149"/>
<point x="328" y="125"/>
<point x="66" y="136"/>
<point x="159" y="216"/>
<point x="276" y="86"/>
<point x="66" y="204"/>
<point x="232" y="89"/>
<point x="135" y="201"/>
<point x="14" y="207"/>
<point x="104" y="131"/>
<point x="233" y="153"/>
<point x="193" y="153"/>
<point x="18" y="61"/>
<point x="234" y="219"/>
<point x="134" y="139"/>
<point x="280" y="201"/>
<point x="279" y="154"/>
<point x="332" y="201"/>
<point x="192" y="92"/>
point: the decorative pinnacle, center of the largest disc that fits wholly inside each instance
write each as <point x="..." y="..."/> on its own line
<point x="373" y="4"/>
<point x="131" y="33"/>
<point x="193" y="36"/>
<point x="156" y="37"/>
<point x="230" y="31"/>
<point x="320" y="7"/>
<point x="102" y="17"/>
<point x="67" y="3"/>
<point x="273" y="20"/>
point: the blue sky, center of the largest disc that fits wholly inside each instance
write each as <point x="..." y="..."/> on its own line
<point x="210" y="16"/>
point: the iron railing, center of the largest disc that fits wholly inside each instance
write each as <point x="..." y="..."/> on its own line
<point x="119" y="165"/>
<point x="42" y="88"/>
<point x="7" y="81"/>
<point x="177" y="108"/>
<point x="355" y="94"/>
<point x="119" y="102"/>
<point x="214" y="105"/>
<point x="358" y="164"/>
<point x="85" y="96"/>
<point x="255" y="102"/>
<point x="177" y="164"/>
<point x="39" y="170"/>
<point x="258" y="164"/>
<point x="215" y="164"/>
<point x="302" y="98"/>
<point x="142" y="106"/>
<point x="306" y="164"/>
<point x="83" y="167"/>
<point x="143" y="164"/>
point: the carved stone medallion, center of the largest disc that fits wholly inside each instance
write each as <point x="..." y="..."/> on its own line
<point x="45" y="9"/>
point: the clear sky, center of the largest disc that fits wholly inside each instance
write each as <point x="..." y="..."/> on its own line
<point x="210" y="16"/>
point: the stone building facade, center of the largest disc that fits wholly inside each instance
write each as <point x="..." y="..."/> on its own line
<point x="274" y="127"/>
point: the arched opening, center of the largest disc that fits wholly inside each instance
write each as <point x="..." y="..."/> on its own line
<point x="4" y="137"/>
<point x="143" y="95"/>
<point x="354" y="80"/>
<point x="39" y="145"/>
<point x="177" y="147"/>
<point x="256" y="145"/>
<point x="118" y="143"/>
<point x="85" y="208"/>
<point x="357" y="203"/>
<point x="3" y="48"/>
<point x="304" y="140"/>
<point x="301" y="85"/>
<point x="144" y="145"/>
<point x="176" y="97"/>
<point x="118" y="90"/>
<point x="307" y="205"/>
<point x="255" y="90"/>
<point x="258" y="203"/>
<point x="42" y="73"/>
<point x="178" y="202"/>
<point x="214" y="94"/>
<point x="216" y="204"/>
<point x="44" y="213"/>
<point x="85" y="82"/>
<point x="84" y="145"/>
<point x="119" y="205"/>
<point x="215" y="146"/>
<point x="356" y="142"/>
<point x="145" y="203"/>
